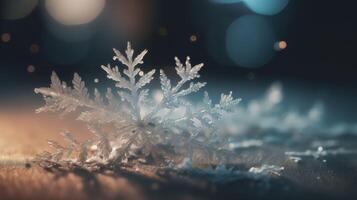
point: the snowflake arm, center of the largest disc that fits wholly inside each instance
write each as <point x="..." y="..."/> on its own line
<point x="186" y="73"/>
<point x="172" y="95"/>
<point x="132" y="86"/>
<point x="61" y="98"/>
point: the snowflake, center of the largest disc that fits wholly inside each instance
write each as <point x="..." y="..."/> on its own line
<point x="142" y="129"/>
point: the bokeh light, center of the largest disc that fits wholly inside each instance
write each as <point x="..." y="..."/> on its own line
<point x="280" y="45"/>
<point x="249" y="41"/>
<point x="132" y="19"/>
<point x="226" y="1"/>
<point x="31" y="68"/>
<point x="5" y="37"/>
<point x="266" y="7"/>
<point x="16" y="9"/>
<point x="263" y="7"/>
<point x="74" y="12"/>
<point x="34" y="48"/>
<point x="193" y="38"/>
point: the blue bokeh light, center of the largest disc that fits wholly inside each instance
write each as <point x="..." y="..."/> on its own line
<point x="266" y="7"/>
<point x="226" y="1"/>
<point x="250" y="41"/>
<point x="263" y="7"/>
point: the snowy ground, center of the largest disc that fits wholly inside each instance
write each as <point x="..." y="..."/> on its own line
<point x="330" y="177"/>
<point x="295" y="165"/>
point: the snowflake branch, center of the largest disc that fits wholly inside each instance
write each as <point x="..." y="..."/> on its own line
<point x="59" y="97"/>
<point x="130" y="81"/>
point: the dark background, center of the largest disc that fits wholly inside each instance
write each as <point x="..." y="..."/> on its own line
<point x="321" y="38"/>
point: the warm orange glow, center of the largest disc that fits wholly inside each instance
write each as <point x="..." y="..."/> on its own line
<point x="282" y="45"/>
<point x="24" y="133"/>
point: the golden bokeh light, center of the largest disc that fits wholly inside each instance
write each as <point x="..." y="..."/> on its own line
<point x="5" y="37"/>
<point x="74" y="12"/>
<point x="193" y="38"/>
<point x="282" y="45"/>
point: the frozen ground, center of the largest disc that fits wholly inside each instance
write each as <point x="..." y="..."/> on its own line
<point x="327" y="177"/>
<point x="311" y="166"/>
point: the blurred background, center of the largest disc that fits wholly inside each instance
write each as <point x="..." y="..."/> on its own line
<point x="246" y="45"/>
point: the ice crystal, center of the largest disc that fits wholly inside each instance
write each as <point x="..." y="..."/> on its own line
<point x="267" y="170"/>
<point x="248" y="143"/>
<point x="141" y="128"/>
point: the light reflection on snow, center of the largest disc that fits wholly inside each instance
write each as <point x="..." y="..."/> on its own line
<point x="320" y="152"/>
<point x="267" y="170"/>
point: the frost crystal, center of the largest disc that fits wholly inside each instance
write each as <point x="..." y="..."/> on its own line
<point x="267" y="170"/>
<point x="140" y="128"/>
